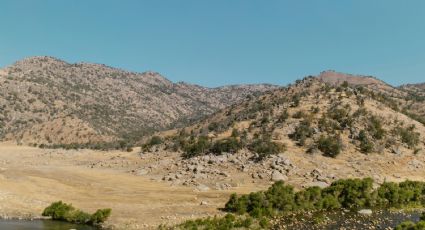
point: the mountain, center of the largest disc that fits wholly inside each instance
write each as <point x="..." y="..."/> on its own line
<point x="329" y="114"/>
<point x="337" y="78"/>
<point x="309" y="133"/>
<point x="415" y="88"/>
<point x="45" y="100"/>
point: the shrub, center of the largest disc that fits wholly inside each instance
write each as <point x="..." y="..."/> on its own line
<point x="155" y="140"/>
<point x="342" y="115"/>
<point x="375" y="128"/>
<point x="213" y="126"/>
<point x="228" y="145"/>
<point x="302" y="132"/>
<point x="366" y="146"/>
<point x="299" y="114"/>
<point x="199" y="147"/>
<point x="279" y="199"/>
<point x="409" y="136"/>
<point x="264" y="147"/>
<point x="283" y="117"/>
<point x="409" y="225"/>
<point x="100" y="216"/>
<point x="58" y="210"/>
<point x="350" y="194"/>
<point x="330" y="145"/>
<point x="66" y="212"/>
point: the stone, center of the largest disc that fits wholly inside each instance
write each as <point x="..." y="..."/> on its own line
<point x="142" y="172"/>
<point x="277" y="176"/>
<point x="204" y="202"/>
<point x="416" y="164"/>
<point x="319" y="184"/>
<point x="396" y="151"/>
<point x="202" y="188"/>
<point x="365" y="212"/>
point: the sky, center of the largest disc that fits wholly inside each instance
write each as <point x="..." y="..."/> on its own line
<point x="219" y="42"/>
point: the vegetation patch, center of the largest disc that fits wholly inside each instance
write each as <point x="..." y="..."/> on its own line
<point x="257" y="209"/>
<point x="66" y="212"/>
<point x="409" y="225"/>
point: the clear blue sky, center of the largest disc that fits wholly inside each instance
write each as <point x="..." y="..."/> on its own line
<point x="221" y="42"/>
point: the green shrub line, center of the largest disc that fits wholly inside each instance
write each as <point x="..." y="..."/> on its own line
<point x="66" y="212"/>
<point x="347" y="194"/>
<point x="409" y="225"/>
<point x="255" y="210"/>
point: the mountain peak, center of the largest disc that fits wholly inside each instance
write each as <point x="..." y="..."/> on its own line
<point x="336" y="78"/>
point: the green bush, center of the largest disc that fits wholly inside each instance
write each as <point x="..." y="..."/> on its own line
<point x="155" y="140"/>
<point x="100" y="216"/>
<point x="227" y="222"/>
<point x="302" y="132"/>
<point x="265" y="147"/>
<point x="341" y="115"/>
<point x="66" y="212"/>
<point x="58" y="210"/>
<point x="198" y="147"/>
<point x="409" y="136"/>
<point x="283" y="117"/>
<point x="279" y="199"/>
<point x="228" y="145"/>
<point x="330" y="145"/>
<point x="375" y="128"/>
<point x="409" y="225"/>
<point x="350" y="194"/>
<point x="366" y="146"/>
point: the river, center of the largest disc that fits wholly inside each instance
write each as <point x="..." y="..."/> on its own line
<point x="41" y="225"/>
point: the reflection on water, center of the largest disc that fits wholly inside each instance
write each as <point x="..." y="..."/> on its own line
<point x="40" y="225"/>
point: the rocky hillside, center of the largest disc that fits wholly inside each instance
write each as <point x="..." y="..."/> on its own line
<point x="309" y="133"/>
<point x="48" y="101"/>
<point x="314" y="115"/>
<point x="420" y="87"/>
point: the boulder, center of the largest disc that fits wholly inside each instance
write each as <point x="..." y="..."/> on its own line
<point x="319" y="184"/>
<point x="142" y="172"/>
<point x="277" y="176"/>
<point x="365" y="212"/>
<point x="202" y="188"/>
<point x="396" y="151"/>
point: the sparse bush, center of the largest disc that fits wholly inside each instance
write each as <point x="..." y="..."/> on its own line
<point x="409" y="136"/>
<point x="341" y="115"/>
<point x="199" y="147"/>
<point x="228" y="145"/>
<point x="265" y="147"/>
<point x="375" y="128"/>
<point x="330" y="145"/>
<point x="283" y="117"/>
<point x="302" y="132"/>
<point x="366" y="146"/>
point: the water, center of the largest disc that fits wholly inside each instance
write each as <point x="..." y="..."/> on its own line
<point x="41" y="225"/>
<point x="346" y="220"/>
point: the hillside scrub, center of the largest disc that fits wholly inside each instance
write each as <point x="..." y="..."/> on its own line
<point x="104" y="146"/>
<point x="66" y="212"/>
<point x="408" y="135"/>
<point x="331" y="146"/>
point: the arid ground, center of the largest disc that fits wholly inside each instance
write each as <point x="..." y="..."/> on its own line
<point x="141" y="194"/>
<point x="32" y="178"/>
